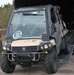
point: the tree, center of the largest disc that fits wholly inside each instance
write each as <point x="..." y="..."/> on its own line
<point x="5" y="13"/>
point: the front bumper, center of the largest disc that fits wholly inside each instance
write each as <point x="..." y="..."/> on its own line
<point x="26" y="57"/>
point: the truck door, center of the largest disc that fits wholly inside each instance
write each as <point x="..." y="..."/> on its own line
<point x="55" y="28"/>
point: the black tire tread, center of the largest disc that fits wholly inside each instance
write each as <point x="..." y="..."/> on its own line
<point x="5" y="65"/>
<point x="49" y="63"/>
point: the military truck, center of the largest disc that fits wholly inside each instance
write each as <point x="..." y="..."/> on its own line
<point x="37" y="34"/>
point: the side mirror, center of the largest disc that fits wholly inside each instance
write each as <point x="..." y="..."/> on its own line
<point x="44" y="37"/>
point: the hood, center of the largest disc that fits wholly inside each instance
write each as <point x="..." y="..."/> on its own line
<point x="28" y="42"/>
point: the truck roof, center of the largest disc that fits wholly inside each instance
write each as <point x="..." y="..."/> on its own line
<point x="41" y="7"/>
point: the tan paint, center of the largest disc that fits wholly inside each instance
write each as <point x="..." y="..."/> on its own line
<point x="52" y="41"/>
<point x="30" y="42"/>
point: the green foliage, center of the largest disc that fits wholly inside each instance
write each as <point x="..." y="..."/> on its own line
<point x="5" y="13"/>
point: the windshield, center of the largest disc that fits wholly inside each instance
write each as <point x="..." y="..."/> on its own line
<point x="27" y="25"/>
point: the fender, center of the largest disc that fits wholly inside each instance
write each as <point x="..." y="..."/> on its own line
<point x="53" y="44"/>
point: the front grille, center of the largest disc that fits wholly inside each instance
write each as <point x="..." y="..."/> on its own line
<point x="24" y="49"/>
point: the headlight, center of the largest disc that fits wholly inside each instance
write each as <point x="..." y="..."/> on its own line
<point x="46" y="46"/>
<point x="42" y="47"/>
<point x="7" y="47"/>
<point x="4" y="48"/>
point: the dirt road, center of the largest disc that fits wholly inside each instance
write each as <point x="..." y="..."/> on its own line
<point x="64" y="69"/>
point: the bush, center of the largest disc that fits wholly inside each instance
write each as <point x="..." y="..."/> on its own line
<point x="5" y="13"/>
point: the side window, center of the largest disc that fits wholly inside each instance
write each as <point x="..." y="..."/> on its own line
<point x="53" y="19"/>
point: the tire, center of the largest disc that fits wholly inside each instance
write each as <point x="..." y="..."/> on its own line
<point x="6" y="65"/>
<point x="51" y="62"/>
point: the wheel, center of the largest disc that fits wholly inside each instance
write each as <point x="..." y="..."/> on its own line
<point x="51" y="62"/>
<point x="6" y="65"/>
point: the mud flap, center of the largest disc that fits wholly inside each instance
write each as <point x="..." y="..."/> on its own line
<point x="65" y="58"/>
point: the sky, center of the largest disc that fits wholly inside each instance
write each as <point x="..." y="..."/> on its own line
<point x="2" y="2"/>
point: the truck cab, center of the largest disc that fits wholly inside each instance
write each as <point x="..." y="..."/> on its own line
<point x="34" y="34"/>
<point x="33" y="22"/>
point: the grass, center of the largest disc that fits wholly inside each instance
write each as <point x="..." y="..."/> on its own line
<point x="3" y="37"/>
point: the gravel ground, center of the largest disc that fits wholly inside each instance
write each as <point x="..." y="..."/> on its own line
<point x="64" y="69"/>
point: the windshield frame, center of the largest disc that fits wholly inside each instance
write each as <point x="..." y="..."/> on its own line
<point x="7" y="35"/>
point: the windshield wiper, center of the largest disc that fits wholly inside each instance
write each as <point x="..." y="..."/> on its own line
<point x="33" y="14"/>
